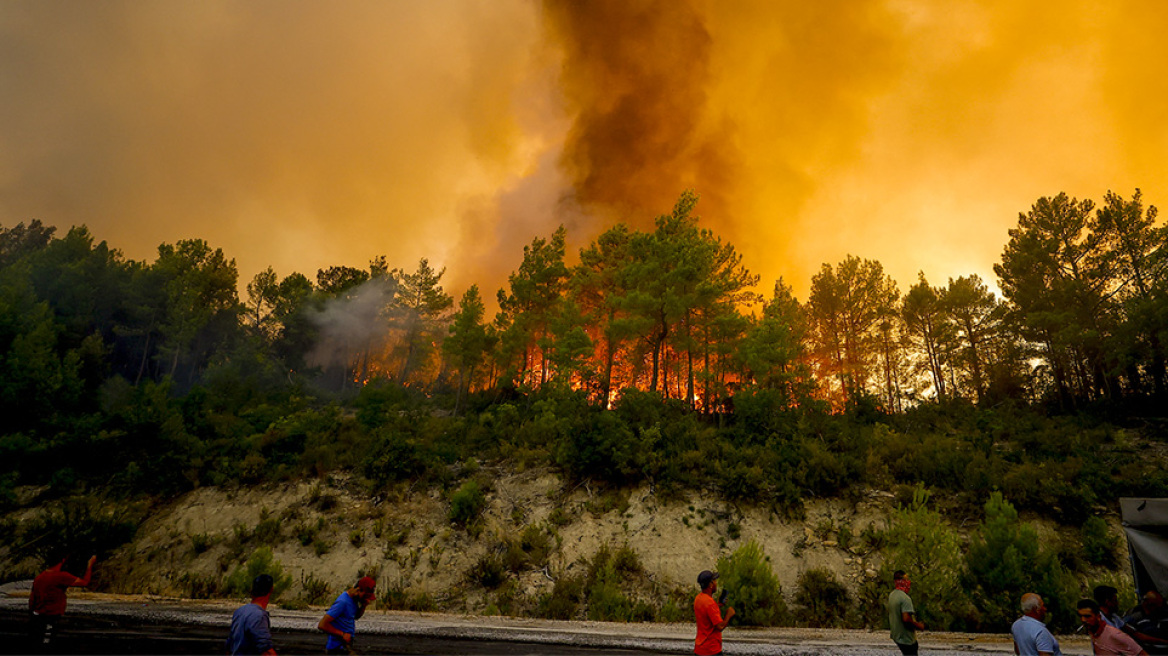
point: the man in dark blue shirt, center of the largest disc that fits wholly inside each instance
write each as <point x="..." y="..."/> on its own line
<point x="251" y="629"/>
<point x="340" y="622"/>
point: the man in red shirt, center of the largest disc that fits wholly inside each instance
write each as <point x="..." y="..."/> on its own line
<point x="1106" y="640"/>
<point x="708" y="615"/>
<point x="46" y="602"/>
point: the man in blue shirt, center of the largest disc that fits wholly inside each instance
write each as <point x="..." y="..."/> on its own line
<point x="340" y="622"/>
<point x="1108" y="599"/>
<point x="251" y="629"/>
<point x="1031" y="637"/>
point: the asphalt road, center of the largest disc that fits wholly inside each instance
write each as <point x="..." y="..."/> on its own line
<point x="87" y="634"/>
<point x="126" y="624"/>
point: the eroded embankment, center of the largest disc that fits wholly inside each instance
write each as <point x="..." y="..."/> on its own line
<point x="325" y="533"/>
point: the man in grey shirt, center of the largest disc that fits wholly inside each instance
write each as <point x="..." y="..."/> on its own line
<point x="902" y="621"/>
<point x="251" y="629"/>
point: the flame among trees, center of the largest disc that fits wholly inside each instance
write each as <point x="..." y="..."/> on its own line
<point x="673" y="311"/>
<point x="670" y="311"/>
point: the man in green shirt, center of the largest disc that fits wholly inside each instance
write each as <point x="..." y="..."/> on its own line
<point x="901" y="619"/>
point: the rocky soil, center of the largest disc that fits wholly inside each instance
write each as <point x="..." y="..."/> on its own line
<point x="407" y="540"/>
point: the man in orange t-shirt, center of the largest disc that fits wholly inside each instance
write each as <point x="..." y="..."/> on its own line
<point x="708" y="615"/>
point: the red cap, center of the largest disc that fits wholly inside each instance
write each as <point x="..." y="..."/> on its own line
<point x="367" y="583"/>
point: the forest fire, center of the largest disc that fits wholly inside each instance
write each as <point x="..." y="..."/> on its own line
<point x="673" y="312"/>
<point x="606" y="393"/>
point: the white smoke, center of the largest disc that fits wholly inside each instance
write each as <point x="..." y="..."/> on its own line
<point x="354" y="324"/>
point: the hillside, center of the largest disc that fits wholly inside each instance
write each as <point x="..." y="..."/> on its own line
<point x="531" y="531"/>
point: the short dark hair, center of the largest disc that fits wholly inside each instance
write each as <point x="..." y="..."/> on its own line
<point x="898" y="575"/>
<point x="262" y="586"/>
<point x="1089" y="603"/>
<point x="58" y="556"/>
<point x="1104" y="592"/>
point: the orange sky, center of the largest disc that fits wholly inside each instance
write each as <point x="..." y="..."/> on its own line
<point x="306" y="134"/>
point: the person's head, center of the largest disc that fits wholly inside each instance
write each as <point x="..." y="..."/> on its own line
<point x="1032" y="606"/>
<point x="59" y="559"/>
<point x="366" y="589"/>
<point x="1089" y="615"/>
<point x="901" y="580"/>
<point x="1107" y="597"/>
<point x="261" y="586"/>
<point x="708" y="581"/>
<point x="1152" y="603"/>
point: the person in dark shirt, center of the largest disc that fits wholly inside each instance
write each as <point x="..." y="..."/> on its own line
<point x="251" y="628"/>
<point x="48" y="599"/>
<point x="1150" y="621"/>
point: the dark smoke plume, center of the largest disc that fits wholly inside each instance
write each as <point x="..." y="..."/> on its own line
<point x="636" y="74"/>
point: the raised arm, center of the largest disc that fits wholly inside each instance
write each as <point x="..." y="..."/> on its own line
<point x="84" y="580"/>
<point x="725" y="620"/>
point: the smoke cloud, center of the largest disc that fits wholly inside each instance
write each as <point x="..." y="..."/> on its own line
<point x="353" y="323"/>
<point x="303" y="135"/>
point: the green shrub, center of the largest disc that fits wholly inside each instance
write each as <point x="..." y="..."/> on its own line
<point x="238" y="582"/>
<point x="199" y="586"/>
<point x="1098" y="543"/>
<point x="201" y="542"/>
<point x="398" y="597"/>
<point x="754" y="590"/>
<point x="872" y="538"/>
<point x="626" y="561"/>
<point x="514" y="557"/>
<point x="467" y="504"/>
<point x="536" y="541"/>
<point x="307" y="533"/>
<point x="1006" y="559"/>
<point x="8" y="489"/>
<point x="563" y="601"/>
<point x="844" y="536"/>
<point x="820" y="599"/>
<point x="267" y="531"/>
<point x="559" y="517"/>
<point x="394" y="457"/>
<point x="77" y="525"/>
<point x="733" y="531"/>
<point x="678" y="607"/>
<point x="598" y="445"/>
<point x="488" y="572"/>
<point x="929" y="551"/>
<point x="314" y="591"/>
<point x="607" y="602"/>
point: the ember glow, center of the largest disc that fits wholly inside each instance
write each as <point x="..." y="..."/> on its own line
<point x="308" y="134"/>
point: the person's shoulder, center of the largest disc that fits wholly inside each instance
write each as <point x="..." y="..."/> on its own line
<point x="703" y="599"/>
<point x="1118" y="635"/>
